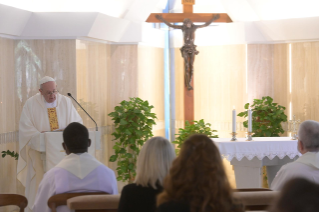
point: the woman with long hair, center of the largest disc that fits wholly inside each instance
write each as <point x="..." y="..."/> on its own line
<point x="197" y="181"/>
<point x="153" y="164"/>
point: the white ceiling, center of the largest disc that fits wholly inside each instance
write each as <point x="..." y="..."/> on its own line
<point x="255" y="21"/>
<point x="239" y="10"/>
<point x="115" y="8"/>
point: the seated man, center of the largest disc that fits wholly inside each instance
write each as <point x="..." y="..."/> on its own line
<point x="297" y="195"/>
<point x="77" y="172"/>
<point x="307" y="166"/>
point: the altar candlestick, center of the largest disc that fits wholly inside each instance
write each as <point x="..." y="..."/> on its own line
<point x="250" y="118"/>
<point x="234" y="121"/>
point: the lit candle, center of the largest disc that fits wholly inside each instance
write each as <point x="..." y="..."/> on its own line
<point x="250" y="122"/>
<point x="234" y="120"/>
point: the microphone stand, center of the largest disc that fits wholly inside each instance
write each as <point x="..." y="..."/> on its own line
<point x="96" y="128"/>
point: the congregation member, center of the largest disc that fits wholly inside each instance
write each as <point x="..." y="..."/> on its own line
<point x="46" y="111"/>
<point x="77" y="172"/>
<point x="306" y="166"/>
<point x="298" y="195"/>
<point x="153" y="164"/>
<point x="197" y="181"/>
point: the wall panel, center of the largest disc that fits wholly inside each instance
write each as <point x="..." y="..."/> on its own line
<point x="304" y="80"/>
<point x="260" y="69"/>
<point x="219" y="79"/>
<point x="151" y="82"/>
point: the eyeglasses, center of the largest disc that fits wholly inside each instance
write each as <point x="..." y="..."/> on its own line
<point x="51" y="93"/>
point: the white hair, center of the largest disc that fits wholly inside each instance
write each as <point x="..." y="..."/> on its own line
<point x="154" y="162"/>
<point x="308" y="134"/>
<point x="45" y="80"/>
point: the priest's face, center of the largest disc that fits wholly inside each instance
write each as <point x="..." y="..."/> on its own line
<point x="49" y="91"/>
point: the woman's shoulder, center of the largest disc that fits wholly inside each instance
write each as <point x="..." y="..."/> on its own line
<point x="175" y="206"/>
<point x="134" y="186"/>
<point x="131" y="186"/>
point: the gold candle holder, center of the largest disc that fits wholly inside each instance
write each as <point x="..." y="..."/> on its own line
<point x="233" y="136"/>
<point x="249" y="136"/>
<point x="294" y="136"/>
<point x="294" y="122"/>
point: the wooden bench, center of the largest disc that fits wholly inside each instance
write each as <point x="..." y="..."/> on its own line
<point x="257" y="200"/>
<point x="61" y="199"/>
<point x="14" y="199"/>
<point x="94" y="203"/>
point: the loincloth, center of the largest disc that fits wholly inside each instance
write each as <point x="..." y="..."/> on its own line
<point x="189" y="50"/>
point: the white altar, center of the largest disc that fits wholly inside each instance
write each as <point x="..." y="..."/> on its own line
<point x="248" y="157"/>
<point x="50" y="145"/>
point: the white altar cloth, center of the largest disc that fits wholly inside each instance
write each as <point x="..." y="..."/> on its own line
<point x="248" y="157"/>
<point x="50" y="145"/>
<point x="260" y="147"/>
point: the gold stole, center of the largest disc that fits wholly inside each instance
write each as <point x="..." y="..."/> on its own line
<point x="53" y="119"/>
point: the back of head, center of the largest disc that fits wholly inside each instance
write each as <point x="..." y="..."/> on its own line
<point x="198" y="178"/>
<point x="309" y="135"/>
<point x="298" y="195"/>
<point x="154" y="162"/>
<point x="76" y="137"/>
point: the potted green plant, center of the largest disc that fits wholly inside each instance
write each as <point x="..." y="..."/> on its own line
<point x="133" y="122"/>
<point x="267" y="117"/>
<point x="199" y="127"/>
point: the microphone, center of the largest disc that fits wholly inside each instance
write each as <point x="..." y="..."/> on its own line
<point x="69" y="94"/>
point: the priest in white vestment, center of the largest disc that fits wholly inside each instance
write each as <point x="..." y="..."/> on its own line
<point x="307" y="166"/>
<point x="77" y="172"/>
<point x="45" y="111"/>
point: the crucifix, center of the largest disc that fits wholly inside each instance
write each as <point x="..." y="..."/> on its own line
<point x="188" y="50"/>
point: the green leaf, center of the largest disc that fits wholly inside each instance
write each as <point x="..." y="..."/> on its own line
<point x="128" y="155"/>
<point x="122" y="150"/>
<point x="268" y="133"/>
<point x="131" y="166"/>
<point x="113" y="158"/>
<point x="123" y="122"/>
<point x="246" y="106"/>
<point x="278" y="112"/>
<point x="128" y="132"/>
<point x="242" y="114"/>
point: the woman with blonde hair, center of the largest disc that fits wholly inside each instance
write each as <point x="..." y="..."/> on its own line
<point x="197" y="181"/>
<point x="153" y="164"/>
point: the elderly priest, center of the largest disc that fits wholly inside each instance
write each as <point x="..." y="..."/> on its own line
<point x="45" y="111"/>
<point x="307" y="166"/>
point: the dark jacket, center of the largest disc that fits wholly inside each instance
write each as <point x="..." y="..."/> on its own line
<point x="136" y="198"/>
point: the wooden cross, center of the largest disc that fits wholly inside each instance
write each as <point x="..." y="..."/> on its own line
<point x="188" y="13"/>
<point x="194" y="17"/>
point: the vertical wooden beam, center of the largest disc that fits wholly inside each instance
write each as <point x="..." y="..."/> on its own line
<point x="189" y="103"/>
<point x="187" y="8"/>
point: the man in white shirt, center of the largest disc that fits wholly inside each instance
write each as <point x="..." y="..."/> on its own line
<point x="77" y="172"/>
<point x="307" y="166"/>
<point x="46" y="111"/>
